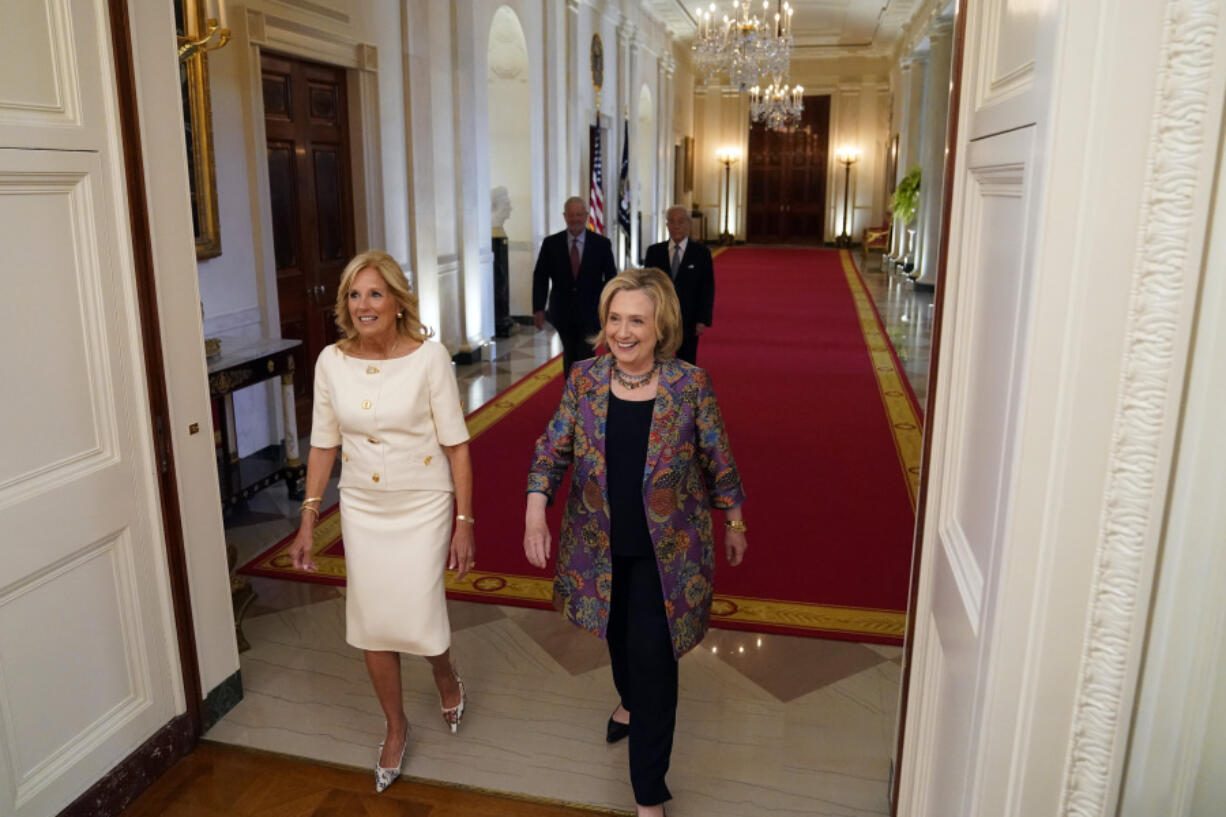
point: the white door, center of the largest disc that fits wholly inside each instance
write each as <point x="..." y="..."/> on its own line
<point x="88" y="661"/>
<point x="986" y="329"/>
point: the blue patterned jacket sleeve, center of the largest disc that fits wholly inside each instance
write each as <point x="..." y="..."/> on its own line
<point x="555" y="448"/>
<point x="714" y="453"/>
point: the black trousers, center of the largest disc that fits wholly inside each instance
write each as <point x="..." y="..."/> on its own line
<point x="688" y="350"/>
<point x="574" y="347"/>
<point x="644" y="672"/>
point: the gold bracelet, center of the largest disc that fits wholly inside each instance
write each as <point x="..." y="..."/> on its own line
<point x="462" y="518"/>
<point x="311" y="499"/>
<point x="737" y="525"/>
<point x="310" y="508"/>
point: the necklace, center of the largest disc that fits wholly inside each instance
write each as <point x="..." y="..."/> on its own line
<point x="634" y="381"/>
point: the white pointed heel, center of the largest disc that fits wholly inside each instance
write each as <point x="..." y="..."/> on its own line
<point x="452" y="715"/>
<point x="386" y="777"/>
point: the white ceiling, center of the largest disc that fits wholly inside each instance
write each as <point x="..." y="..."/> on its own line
<point x="840" y="27"/>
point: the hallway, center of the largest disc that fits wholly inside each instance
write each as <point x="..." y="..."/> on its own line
<point x="785" y="724"/>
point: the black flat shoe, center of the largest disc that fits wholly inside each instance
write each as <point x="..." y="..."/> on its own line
<point x="616" y="731"/>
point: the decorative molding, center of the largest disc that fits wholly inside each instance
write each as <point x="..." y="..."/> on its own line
<point x="368" y="57"/>
<point x="917" y="29"/>
<point x="294" y="38"/>
<point x="316" y="9"/>
<point x="1177" y="148"/>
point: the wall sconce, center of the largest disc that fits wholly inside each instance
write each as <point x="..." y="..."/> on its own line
<point x="728" y="157"/>
<point x="848" y="156"/>
<point x="189" y="46"/>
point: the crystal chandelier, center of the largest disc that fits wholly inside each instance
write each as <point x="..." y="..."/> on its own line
<point x="745" y="46"/>
<point x="778" y="106"/>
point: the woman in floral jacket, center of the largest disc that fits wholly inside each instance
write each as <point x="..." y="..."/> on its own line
<point x="636" y="555"/>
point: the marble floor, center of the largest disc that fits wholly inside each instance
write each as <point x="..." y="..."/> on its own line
<point x="766" y="723"/>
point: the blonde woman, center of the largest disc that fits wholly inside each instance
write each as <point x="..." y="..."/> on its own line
<point x="386" y="400"/>
<point x="636" y="553"/>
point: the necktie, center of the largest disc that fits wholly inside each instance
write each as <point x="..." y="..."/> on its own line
<point x="676" y="260"/>
<point x="574" y="257"/>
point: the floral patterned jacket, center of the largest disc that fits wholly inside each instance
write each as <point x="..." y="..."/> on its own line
<point x="689" y="470"/>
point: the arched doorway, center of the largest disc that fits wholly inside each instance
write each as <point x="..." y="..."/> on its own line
<point x="509" y="98"/>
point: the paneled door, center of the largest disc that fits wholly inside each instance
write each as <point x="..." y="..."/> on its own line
<point x="964" y="674"/>
<point x="786" y="182"/>
<point x="307" y="130"/>
<point x="88" y="662"/>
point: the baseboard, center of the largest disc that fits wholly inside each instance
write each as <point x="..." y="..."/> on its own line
<point x="224" y="697"/>
<point x="136" y="772"/>
<point x="467" y="357"/>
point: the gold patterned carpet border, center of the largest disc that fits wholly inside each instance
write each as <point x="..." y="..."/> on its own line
<point x="502" y="405"/>
<point x="536" y="591"/>
<point x="905" y="426"/>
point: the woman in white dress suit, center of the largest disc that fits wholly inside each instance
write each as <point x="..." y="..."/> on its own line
<point x="386" y="399"/>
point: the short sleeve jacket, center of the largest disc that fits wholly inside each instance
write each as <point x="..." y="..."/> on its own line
<point x="390" y="418"/>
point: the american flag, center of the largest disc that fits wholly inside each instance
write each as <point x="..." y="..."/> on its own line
<point x="595" y="200"/>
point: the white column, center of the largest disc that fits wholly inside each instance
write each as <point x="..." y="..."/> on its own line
<point x="667" y="93"/>
<point x="472" y="213"/>
<point x="577" y="123"/>
<point x="634" y="76"/>
<point x="558" y="184"/>
<point x="626" y="56"/>
<point x="903" y="109"/>
<point x="422" y="261"/>
<point x="910" y="136"/>
<point x="936" y="115"/>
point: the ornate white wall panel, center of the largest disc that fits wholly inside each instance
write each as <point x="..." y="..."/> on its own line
<point x="987" y="317"/>
<point x="1005" y="46"/>
<point x="75" y="690"/>
<point x="67" y="421"/>
<point x="46" y="91"/>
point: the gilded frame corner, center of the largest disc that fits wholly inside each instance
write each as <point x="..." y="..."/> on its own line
<point x="198" y="132"/>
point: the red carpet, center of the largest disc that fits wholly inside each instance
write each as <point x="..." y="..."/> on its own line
<point x="822" y="425"/>
<point x="808" y="385"/>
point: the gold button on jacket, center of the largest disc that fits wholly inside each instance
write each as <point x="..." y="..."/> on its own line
<point x="416" y="411"/>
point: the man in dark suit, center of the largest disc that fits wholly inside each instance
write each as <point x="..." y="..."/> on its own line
<point x="689" y="264"/>
<point x="572" y="269"/>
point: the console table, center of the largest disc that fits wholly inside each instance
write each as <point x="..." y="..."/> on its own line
<point x="245" y="365"/>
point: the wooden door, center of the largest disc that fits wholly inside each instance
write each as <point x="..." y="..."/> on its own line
<point x="786" y="192"/>
<point x="307" y="131"/>
<point x="87" y="639"/>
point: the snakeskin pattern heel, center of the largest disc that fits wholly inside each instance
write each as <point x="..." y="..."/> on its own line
<point x="386" y="777"/>
<point x="452" y="715"/>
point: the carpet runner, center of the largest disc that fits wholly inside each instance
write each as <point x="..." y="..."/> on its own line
<point x="824" y="428"/>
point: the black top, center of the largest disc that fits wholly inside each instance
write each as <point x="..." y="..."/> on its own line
<point x="626" y="433"/>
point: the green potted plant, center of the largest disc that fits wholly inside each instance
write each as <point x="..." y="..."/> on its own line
<point x="905" y="200"/>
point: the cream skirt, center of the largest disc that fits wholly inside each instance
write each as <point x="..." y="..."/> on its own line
<point x="396" y="545"/>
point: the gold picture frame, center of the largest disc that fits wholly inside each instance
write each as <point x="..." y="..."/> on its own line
<point x="198" y="132"/>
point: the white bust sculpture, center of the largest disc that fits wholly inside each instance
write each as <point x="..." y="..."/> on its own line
<point x="500" y="211"/>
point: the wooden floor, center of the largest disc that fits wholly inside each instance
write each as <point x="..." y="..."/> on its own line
<point x="218" y="780"/>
